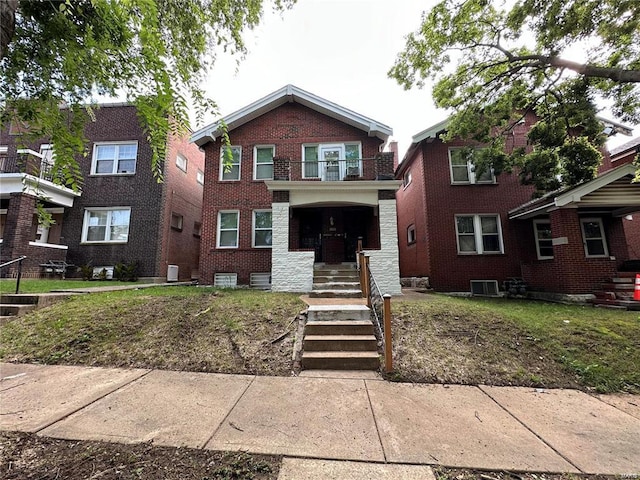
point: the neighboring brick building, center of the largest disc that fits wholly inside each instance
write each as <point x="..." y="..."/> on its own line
<point x="304" y="178"/>
<point x="469" y="232"/>
<point x="123" y="214"/>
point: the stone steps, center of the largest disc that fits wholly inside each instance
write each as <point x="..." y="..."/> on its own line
<point x="341" y="360"/>
<point x="618" y="293"/>
<point x="339" y="327"/>
<point x="333" y="343"/>
<point x="336" y="281"/>
<point x="14" y="309"/>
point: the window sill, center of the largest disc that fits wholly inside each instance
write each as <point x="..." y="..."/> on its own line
<point x="467" y="184"/>
<point x="125" y="174"/>
<point x="105" y="243"/>
<point x="476" y="254"/>
<point x="266" y="247"/>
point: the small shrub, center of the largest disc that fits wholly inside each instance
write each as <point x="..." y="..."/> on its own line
<point x="86" y="271"/>
<point x="126" y="272"/>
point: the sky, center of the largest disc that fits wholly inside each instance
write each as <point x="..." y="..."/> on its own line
<point x="340" y="50"/>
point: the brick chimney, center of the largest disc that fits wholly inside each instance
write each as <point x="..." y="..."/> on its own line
<point x="393" y="147"/>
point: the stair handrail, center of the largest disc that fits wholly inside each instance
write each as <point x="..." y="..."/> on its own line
<point x="11" y="262"/>
<point x="380" y="305"/>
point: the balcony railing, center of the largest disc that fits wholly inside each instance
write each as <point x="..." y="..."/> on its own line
<point x="30" y="162"/>
<point x="380" y="167"/>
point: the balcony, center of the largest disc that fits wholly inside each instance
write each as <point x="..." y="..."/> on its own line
<point x="28" y="162"/>
<point x="335" y="170"/>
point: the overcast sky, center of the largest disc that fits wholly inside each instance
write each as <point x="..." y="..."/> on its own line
<point x="340" y="50"/>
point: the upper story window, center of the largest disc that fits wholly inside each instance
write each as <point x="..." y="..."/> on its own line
<point x="332" y="162"/>
<point x="411" y="234"/>
<point x="544" y="245"/>
<point x="230" y="162"/>
<point x="114" y="158"/>
<point x="479" y="234"/>
<point x="263" y="162"/>
<point x="106" y="225"/>
<point x="463" y="169"/>
<point x="200" y="177"/>
<point x="406" y="179"/>
<point x="181" y="162"/>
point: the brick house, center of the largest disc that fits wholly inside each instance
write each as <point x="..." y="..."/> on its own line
<point x="122" y="214"/>
<point x="469" y="232"/>
<point x="302" y="181"/>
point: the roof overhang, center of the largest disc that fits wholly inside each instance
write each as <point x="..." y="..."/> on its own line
<point x="290" y="94"/>
<point x="43" y="189"/>
<point x="320" y="193"/>
<point x="614" y="189"/>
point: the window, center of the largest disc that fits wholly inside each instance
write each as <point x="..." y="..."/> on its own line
<point x="197" y="229"/>
<point x="114" y="158"/>
<point x="176" y="221"/>
<point x="262" y="231"/>
<point x="595" y="244"/>
<point x="106" y="225"/>
<point x="263" y="162"/>
<point x="181" y="162"/>
<point x="311" y="161"/>
<point x="406" y="179"/>
<point x="411" y="234"/>
<point x="463" y="169"/>
<point x="230" y="163"/>
<point x="352" y="157"/>
<point x="200" y="177"/>
<point x="542" y="232"/>
<point x="4" y="158"/>
<point x="228" y="222"/>
<point x="48" y="159"/>
<point x="478" y="234"/>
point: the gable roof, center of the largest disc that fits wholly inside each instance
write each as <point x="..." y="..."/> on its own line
<point x="614" y="188"/>
<point x="629" y="147"/>
<point x="288" y="94"/>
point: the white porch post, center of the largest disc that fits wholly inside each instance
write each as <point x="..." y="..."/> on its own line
<point x="385" y="263"/>
<point x="290" y="271"/>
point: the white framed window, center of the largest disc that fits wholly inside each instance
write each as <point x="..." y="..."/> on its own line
<point x="406" y="179"/>
<point x="200" y="177"/>
<point x="332" y="162"/>
<point x="595" y="243"/>
<point x="181" y="162"/>
<point x="197" y="229"/>
<point x="114" y="158"/>
<point x="479" y="234"/>
<point x="463" y="170"/>
<point x="106" y="225"/>
<point x="411" y="234"/>
<point x="263" y="162"/>
<point x="262" y="230"/>
<point x="542" y="233"/>
<point x="48" y="159"/>
<point x="230" y="158"/>
<point x="228" y="227"/>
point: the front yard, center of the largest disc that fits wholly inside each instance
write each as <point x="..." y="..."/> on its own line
<point x="436" y="338"/>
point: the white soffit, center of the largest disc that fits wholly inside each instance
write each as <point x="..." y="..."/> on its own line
<point x="291" y="93"/>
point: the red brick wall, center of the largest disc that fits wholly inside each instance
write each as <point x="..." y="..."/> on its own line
<point x="632" y="233"/>
<point x="287" y="127"/>
<point x="183" y="196"/>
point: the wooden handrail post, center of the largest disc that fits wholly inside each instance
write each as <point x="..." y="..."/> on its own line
<point x="388" y="350"/>
<point x="367" y="285"/>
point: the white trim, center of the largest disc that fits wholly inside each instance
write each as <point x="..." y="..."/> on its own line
<point x="537" y="239"/>
<point x="38" y="187"/>
<point x="114" y="169"/>
<point x="286" y="94"/>
<point x="49" y="245"/>
<point x="477" y="234"/>
<point x="411" y="229"/>
<point x="237" y="229"/>
<point x="255" y="160"/>
<point x="85" y="225"/>
<point x="430" y="132"/>
<point x="471" y="175"/>
<point x="253" y="228"/>
<point x="597" y="220"/>
<point x="200" y="177"/>
<point x="239" y="164"/>
<point x="186" y="162"/>
<point x="575" y="194"/>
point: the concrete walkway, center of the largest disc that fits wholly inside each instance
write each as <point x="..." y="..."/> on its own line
<point x="330" y="427"/>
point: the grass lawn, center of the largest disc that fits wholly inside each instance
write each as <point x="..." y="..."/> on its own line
<point x="44" y="285"/>
<point x="514" y="342"/>
<point x="174" y="328"/>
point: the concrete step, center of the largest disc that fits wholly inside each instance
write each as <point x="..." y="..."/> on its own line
<point x="623" y="280"/>
<point x="334" y="285"/>
<point x="624" y="286"/>
<point x="333" y="343"/>
<point x="8" y="309"/>
<point x="340" y="360"/>
<point x="336" y="278"/>
<point x="339" y="327"/>
<point x="19" y="299"/>
<point x="338" y="312"/>
<point x="618" y="303"/>
<point x="330" y="293"/>
<point x="6" y="318"/>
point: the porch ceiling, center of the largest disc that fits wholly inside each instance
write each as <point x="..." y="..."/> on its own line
<point x="613" y="190"/>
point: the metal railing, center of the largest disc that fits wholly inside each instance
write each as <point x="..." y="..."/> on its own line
<point x="339" y="169"/>
<point x="29" y="164"/>
<point x="11" y="262"/>
<point x="380" y="306"/>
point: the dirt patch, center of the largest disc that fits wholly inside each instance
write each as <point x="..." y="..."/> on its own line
<point x="27" y="456"/>
<point x="444" y="473"/>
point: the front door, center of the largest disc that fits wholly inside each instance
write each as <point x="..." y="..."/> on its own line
<point x="331" y="164"/>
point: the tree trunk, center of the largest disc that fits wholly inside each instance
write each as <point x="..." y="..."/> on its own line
<point x="8" y="10"/>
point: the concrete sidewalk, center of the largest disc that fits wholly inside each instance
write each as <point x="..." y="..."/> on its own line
<point x="313" y="421"/>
